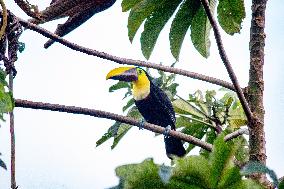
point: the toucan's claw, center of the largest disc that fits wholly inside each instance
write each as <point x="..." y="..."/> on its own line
<point x="141" y="124"/>
<point x="167" y="131"/>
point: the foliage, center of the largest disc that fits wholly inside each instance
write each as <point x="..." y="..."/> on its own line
<point x="6" y="99"/>
<point x="202" y="116"/>
<point x="189" y="14"/>
<point x="217" y="171"/>
<point x="2" y="164"/>
<point x="6" y="102"/>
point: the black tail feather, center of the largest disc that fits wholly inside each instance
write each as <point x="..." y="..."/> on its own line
<point x="174" y="147"/>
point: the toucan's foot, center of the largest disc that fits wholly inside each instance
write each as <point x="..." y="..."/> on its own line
<point x="167" y="131"/>
<point x="141" y="124"/>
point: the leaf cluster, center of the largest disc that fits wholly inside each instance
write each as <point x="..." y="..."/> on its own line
<point x="205" y="116"/>
<point x="187" y="15"/>
<point x="197" y="172"/>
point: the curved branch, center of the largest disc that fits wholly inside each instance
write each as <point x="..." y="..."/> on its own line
<point x="235" y="134"/>
<point x="120" y="60"/>
<point x="109" y="115"/>
<point x="4" y="19"/>
<point x="226" y="61"/>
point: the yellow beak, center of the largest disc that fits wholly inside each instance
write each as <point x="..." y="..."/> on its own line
<point x="127" y="74"/>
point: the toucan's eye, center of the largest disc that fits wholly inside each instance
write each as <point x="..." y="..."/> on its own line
<point x="139" y="71"/>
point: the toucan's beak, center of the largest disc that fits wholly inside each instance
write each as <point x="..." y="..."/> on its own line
<point x="127" y="74"/>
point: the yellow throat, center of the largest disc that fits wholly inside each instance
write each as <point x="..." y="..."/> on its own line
<point x="141" y="87"/>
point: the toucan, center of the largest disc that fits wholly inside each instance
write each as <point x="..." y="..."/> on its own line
<point x="152" y="102"/>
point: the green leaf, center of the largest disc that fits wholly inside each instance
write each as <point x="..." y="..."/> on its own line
<point x="194" y="170"/>
<point x="143" y="175"/>
<point x="183" y="107"/>
<point x="242" y="152"/>
<point x="192" y="128"/>
<point x="128" y="105"/>
<point x="221" y="158"/>
<point x="180" y="25"/>
<point x="200" y="30"/>
<point x="2" y="164"/>
<point x="210" y="138"/>
<point x="230" y="177"/>
<point x="118" y="85"/>
<point x="281" y="184"/>
<point x="128" y="4"/>
<point x="139" y="13"/>
<point x="112" y="131"/>
<point x="124" y="128"/>
<point x="257" y="167"/>
<point x="154" y="25"/>
<point x="230" y="15"/>
<point x="245" y="184"/>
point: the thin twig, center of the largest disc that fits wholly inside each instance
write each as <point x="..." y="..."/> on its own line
<point x="235" y="134"/>
<point x="226" y="61"/>
<point x="109" y="115"/>
<point x="121" y="60"/>
<point x="13" y="143"/>
<point x="4" y="19"/>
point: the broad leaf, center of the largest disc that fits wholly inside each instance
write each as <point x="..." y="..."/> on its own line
<point x="128" y="4"/>
<point x="118" y="85"/>
<point x="200" y="30"/>
<point x="230" y="15"/>
<point x="180" y="25"/>
<point x="184" y="107"/>
<point x="139" y="13"/>
<point x="124" y="128"/>
<point x="154" y="25"/>
<point x="221" y="158"/>
<point x="193" y="169"/>
<point x="2" y="164"/>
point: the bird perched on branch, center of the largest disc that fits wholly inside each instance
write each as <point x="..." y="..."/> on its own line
<point x="153" y="104"/>
<point x="78" y="11"/>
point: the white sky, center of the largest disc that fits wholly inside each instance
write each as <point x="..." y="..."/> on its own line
<point x="57" y="150"/>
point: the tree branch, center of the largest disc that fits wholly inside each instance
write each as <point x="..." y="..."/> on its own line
<point x="122" y="119"/>
<point x="235" y="134"/>
<point x="13" y="142"/>
<point x="109" y="115"/>
<point x="120" y="60"/>
<point x="226" y="61"/>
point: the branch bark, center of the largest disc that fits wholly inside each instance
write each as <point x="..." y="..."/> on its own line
<point x="13" y="142"/>
<point x="226" y="61"/>
<point x="256" y="85"/>
<point x="109" y="115"/>
<point x="120" y="60"/>
<point x="120" y="118"/>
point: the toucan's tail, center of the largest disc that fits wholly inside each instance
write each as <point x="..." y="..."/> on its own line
<point x="174" y="147"/>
